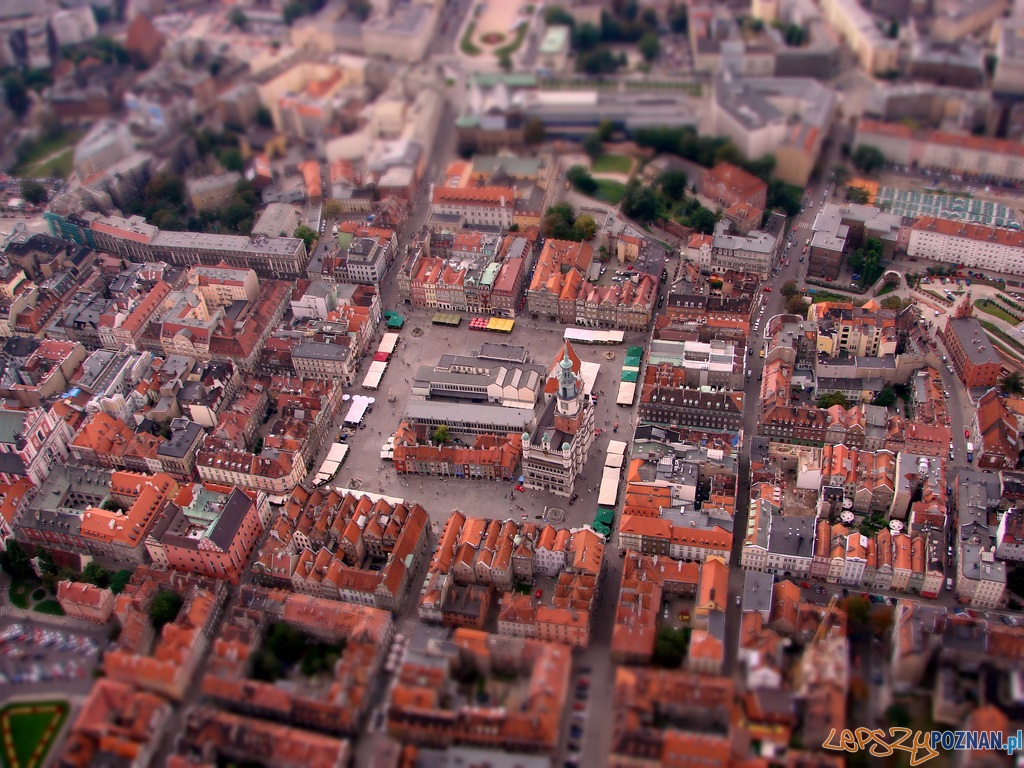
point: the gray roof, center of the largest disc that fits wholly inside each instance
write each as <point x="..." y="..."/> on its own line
<point x="502" y="419"/>
<point x="792" y="536"/>
<point x="508" y="353"/>
<point x="974" y="341"/>
<point x="235" y="509"/>
<point x="320" y="350"/>
<point x="757" y="591"/>
<point x="183" y="437"/>
<point x="752" y="101"/>
<point x="11" y="424"/>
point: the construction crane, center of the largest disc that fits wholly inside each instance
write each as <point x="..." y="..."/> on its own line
<point x="828" y="612"/>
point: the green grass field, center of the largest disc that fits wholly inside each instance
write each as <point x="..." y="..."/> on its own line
<point x="466" y="45"/>
<point x="513" y="46"/>
<point x="612" y="164"/>
<point x="991" y="308"/>
<point x="28" y="730"/>
<point x="51" y="607"/>
<point x="821" y="296"/>
<point x="609" y="191"/>
<point x="19" y="592"/>
<point x="35" y="163"/>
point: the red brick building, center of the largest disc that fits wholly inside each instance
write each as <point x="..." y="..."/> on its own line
<point x="974" y="358"/>
<point x="727" y="185"/>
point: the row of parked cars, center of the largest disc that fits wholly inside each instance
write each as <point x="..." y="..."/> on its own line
<point x="16" y="635"/>
<point x="44" y="673"/>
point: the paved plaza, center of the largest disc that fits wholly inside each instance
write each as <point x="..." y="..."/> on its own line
<point x="492" y="499"/>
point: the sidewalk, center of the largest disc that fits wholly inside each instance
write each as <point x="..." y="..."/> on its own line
<point x="47" y="618"/>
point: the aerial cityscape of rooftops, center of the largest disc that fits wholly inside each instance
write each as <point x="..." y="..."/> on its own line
<point x="511" y="383"/>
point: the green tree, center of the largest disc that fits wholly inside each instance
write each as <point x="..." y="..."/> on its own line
<point x="789" y="288"/>
<point x="286" y="643"/>
<point x="796" y="304"/>
<point x="858" y="613"/>
<point x="649" y="46"/>
<point x="533" y="132"/>
<point x="332" y="209"/>
<point x="841" y="174"/>
<point x="238" y="18"/>
<point x="898" y="716"/>
<point x="678" y="19"/>
<point x="16" y="93"/>
<point x="886" y="398"/>
<point x="600" y="62"/>
<point x="361" y="9"/>
<point x="505" y="60"/>
<point x="639" y="202"/>
<point x="263" y="118"/>
<point x="867" y="260"/>
<point x="605" y="130"/>
<point x="828" y="399"/>
<point x="893" y="32"/>
<point x="670" y="647"/>
<point x="558" y="221"/>
<point x="265" y="666"/>
<point x="584" y="228"/>
<point x="556" y="14"/>
<point x="991" y="60"/>
<point x="292" y="11"/>
<point x="164" y="608"/>
<point x="703" y="220"/>
<point x="1012" y="383"/>
<point x="307" y="235"/>
<point x="94" y="573"/>
<point x="593" y="145"/>
<point x="784" y="197"/>
<point x="867" y="158"/>
<point x="672" y="184"/>
<point x="34" y="192"/>
<point x="857" y="195"/>
<point x="581" y="179"/>
<point x="14" y="561"/>
<point x="442" y="434"/>
<point x="586" y="37"/>
<point x="232" y="159"/>
<point x="165" y="189"/>
<point x="119" y="580"/>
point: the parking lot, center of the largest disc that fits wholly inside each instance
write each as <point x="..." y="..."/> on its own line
<point x="41" y="660"/>
<point x="491" y="499"/>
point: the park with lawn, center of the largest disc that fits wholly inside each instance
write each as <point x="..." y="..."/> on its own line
<point x="621" y="164"/>
<point x="47" y="156"/>
<point x="29" y="730"/>
<point x="497" y="28"/>
<point x="29" y="594"/>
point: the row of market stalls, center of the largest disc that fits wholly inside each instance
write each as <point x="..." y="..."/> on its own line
<point x="335" y="458"/>
<point x="608" y="495"/>
<point x="630" y="376"/>
<point x="381" y="358"/>
<point x="592" y="336"/>
<point x="499" y="324"/>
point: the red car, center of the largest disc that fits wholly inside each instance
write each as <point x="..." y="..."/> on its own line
<point x="767" y="289"/>
<point x="967" y="434"/>
<point x="539" y="594"/>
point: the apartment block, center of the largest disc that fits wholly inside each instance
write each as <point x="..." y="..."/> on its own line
<point x="525" y="715"/>
<point x="345" y="547"/>
<point x="972" y="245"/>
<point x="169" y="665"/>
